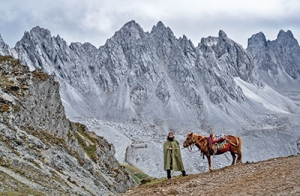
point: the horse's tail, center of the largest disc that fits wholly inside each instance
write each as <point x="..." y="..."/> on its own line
<point x="239" y="144"/>
<point x="239" y="140"/>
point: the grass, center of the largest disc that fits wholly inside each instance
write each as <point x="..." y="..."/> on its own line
<point x="11" y="187"/>
<point x="138" y="176"/>
<point x="89" y="149"/>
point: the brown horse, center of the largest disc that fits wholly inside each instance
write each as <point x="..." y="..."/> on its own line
<point x="233" y="144"/>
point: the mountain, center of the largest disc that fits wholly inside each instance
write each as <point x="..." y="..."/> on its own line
<point x="278" y="61"/>
<point x="145" y="69"/>
<point x="41" y="151"/>
<point x="4" y="48"/>
<point x="140" y="85"/>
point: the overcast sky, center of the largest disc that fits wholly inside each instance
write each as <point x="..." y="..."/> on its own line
<point x="95" y="21"/>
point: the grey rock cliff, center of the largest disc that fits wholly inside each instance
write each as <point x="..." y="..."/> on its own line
<point x="139" y="64"/>
<point x="4" y="48"/>
<point x="278" y="61"/>
<point x="42" y="149"/>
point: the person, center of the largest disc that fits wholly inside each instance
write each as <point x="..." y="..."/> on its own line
<point x="172" y="156"/>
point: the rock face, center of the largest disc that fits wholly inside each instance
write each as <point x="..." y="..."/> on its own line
<point x="41" y="150"/>
<point x="278" y="61"/>
<point x="140" y="85"/>
<point x="4" y="48"/>
<point x="145" y="69"/>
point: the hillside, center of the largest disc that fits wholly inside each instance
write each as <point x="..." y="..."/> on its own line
<point x="278" y="176"/>
<point x="41" y="151"/>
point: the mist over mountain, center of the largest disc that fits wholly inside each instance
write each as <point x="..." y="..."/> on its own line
<point x="140" y="85"/>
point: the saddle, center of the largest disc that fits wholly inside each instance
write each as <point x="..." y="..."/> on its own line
<point x="218" y="143"/>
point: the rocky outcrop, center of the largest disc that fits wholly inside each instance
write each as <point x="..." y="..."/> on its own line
<point x="221" y="60"/>
<point x="278" y="61"/>
<point x="41" y="150"/>
<point x="4" y="48"/>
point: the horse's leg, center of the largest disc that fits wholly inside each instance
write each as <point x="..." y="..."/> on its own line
<point x="209" y="163"/>
<point x="239" y="158"/>
<point x="233" y="157"/>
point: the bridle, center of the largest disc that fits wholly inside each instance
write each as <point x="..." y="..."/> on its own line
<point x="192" y="143"/>
<point x="190" y="140"/>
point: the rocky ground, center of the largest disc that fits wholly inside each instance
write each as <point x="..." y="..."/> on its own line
<point x="279" y="176"/>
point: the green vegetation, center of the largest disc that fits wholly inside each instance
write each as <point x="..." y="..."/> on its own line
<point x="81" y="129"/>
<point x="89" y="149"/>
<point x="11" y="187"/>
<point x="45" y="136"/>
<point x="138" y="176"/>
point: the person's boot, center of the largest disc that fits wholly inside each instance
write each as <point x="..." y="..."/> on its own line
<point x="184" y="173"/>
<point x="169" y="174"/>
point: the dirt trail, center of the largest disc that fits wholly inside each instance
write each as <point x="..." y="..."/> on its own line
<point x="279" y="176"/>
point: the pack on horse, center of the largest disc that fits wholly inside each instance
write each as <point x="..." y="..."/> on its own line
<point x="214" y="145"/>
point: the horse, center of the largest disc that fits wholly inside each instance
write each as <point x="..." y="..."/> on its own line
<point x="232" y="144"/>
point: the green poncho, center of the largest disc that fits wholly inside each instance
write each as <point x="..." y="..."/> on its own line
<point x="175" y="154"/>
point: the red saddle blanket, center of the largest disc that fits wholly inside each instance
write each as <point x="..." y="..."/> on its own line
<point x="218" y="143"/>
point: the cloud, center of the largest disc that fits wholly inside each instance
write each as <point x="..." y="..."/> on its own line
<point x="96" y="21"/>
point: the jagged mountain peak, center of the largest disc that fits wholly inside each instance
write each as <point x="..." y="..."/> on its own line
<point x="41" y="33"/>
<point x="277" y="61"/>
<point x="257" y="39"/>
<point x="222" y="33"/>
<point x="283" y="34"/>
<point x="1" y="39"/>
<point x="160" y="29"/>
<point x="38" y="29"/>
<point x="4" y="48"/>
<point x="286" y="38"/>
<point x="160" y="24"/>
<point x="131" y="30"/>
<point x="233" y="55"/>
<point x="131" y="24"/>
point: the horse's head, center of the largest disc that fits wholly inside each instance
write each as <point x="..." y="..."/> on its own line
<point x="189" y="139"/>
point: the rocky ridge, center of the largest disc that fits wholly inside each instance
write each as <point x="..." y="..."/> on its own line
<point x="147" y="65"/>
<point x="4" y="48"/>
<point x="42" y="151"/>
<point x="276" y="58"/>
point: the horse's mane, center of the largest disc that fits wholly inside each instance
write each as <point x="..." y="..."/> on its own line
<point x="199" y="137"/>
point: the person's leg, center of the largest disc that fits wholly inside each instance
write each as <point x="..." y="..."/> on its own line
<point x="169" y="174"/>
<point x="184" y="173"/>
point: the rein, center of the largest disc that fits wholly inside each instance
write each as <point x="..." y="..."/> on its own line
<point x="190" y="148"/>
